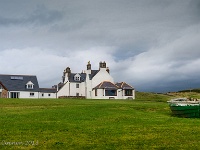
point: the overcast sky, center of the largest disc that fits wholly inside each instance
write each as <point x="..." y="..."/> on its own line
<point x="154" y="45"/>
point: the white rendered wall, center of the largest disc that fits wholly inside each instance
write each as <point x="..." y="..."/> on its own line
<point x="69" y="89"/>
<point x="101" y="95"/>
<point x="46" y="95"/>
<point x="126" y="97"/>
<point x="23" y="94"/>
<point x="82" y="89"/>
<point x="120" y="93"/>
<point x="74" y="90"/>
<point x="88" y="85"/>
<point x="26" y="94"/>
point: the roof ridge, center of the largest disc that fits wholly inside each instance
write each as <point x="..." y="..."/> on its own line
<point x="3" y="85"/>
<point x="128" y="84"/>
<point x="112" y="83"/>
<point x="47" y="88"/>
<point x="122" y="84"/>
<point x="101" y="84"/>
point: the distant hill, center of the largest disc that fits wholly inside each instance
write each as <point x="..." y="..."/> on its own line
<point x="191" y="90"/>
<point x="147" y="96"/>
<point x="160" y="97"/>
<point x="191" y="93"/>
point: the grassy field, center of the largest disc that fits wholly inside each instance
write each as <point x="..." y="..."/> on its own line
<point x="144" y="123"/>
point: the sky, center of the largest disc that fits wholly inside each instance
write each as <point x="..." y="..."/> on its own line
<point x="153" y="45"/>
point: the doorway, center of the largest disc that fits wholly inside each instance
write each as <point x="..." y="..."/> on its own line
<point x="14" y="94"/>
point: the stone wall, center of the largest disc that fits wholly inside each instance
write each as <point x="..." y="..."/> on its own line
<point x="72" y="97"/>
<point x="4" y="93"/>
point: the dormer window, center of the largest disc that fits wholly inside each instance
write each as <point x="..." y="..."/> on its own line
<point x="29" y="85"/>
<point x="77" y="77"/>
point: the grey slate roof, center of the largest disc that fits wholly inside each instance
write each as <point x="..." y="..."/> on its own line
<point x="48" y="90"/>
<point x="106" y="85"/>
<point x="18" y="82"/>
<point x="60" y="85"/>
<point x="83" y="77"/>
<point x="124" y="85"/>
<point x="93" y="73"/>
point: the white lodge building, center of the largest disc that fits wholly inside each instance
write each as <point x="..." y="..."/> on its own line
<point x="93" y="84"/>
<point x="23" y="86"/>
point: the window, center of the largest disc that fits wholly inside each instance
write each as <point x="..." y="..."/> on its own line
<point x="111" y="92"/>
<point x="42" y="94"/>
<point x="16" y="78"/>
<point x="49" y="94"/>
<point x="77" y="77"/>
<point x="77" y="94"/>
<point x="32" y="94"/>
<point x="77" y="85"/>
<point x="29" y="86"/>
<point x="128" y="92"/>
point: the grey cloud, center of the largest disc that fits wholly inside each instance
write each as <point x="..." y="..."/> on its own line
<point x="150" y="44"/>
<point x="40" y="16"/>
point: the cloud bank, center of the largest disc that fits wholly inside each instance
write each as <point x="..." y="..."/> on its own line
<point x="153" y="45"/>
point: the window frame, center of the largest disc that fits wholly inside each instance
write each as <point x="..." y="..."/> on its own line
<point x="32" y="94"/>
<point x="77" y="77"/>
<point x="29" y="85"/>
<point x="110" y="92"/>
<point x="77" y="86"/>
<point x="128" y="92"/>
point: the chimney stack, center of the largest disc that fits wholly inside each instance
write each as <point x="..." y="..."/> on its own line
<point x="66" y="73"/>
<point x="102" y="64"/>
<point x="88" y="66"/>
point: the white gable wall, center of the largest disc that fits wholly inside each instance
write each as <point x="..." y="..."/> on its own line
<point x="64" y="91"/>
<point x="101" y="76"/>
<point x="70" y="89"/>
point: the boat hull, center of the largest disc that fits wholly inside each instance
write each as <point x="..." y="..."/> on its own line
<point x="187" y="111"/>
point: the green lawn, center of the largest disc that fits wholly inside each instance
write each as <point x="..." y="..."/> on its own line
<point x="144" y="123"/>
